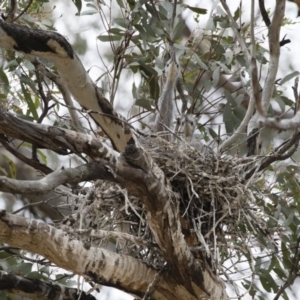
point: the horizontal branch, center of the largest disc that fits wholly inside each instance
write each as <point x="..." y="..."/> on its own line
<point x="60" y="140"/>
<point x="263" y="101"/>
<point x="281" y="124"/>
<point x="73" y="176"/>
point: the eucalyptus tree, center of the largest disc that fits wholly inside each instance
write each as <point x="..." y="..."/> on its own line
<point x="156" y="218"/>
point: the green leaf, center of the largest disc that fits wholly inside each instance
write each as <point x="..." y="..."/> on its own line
<point x="65" y="280"/>
<point x="277" y="212"/>
<point x="223" y="67"/>
<point x="241" y="60"/>
<point x="42" y="156"/>
<point x="121" y="22"/>
<point x="134" y="90"/>
<point x="287" y="101"/>
<point x="279" y="273"/>
<point x="212" y="133"/>
<point x="216" y="77"/>
<point x="23" y="268"/>
<point x="4" y="82"/>
<point x="3" y="171"/>
<point x="228" y="118"/>
<point x="45" y="270"/>
<point x="280" y="103"/>
<point x="131" y="4"/>
<point x="289" y="77"/>
<point x="166" y="8"/>
<point x="150" y="75"/>
<point x="144" y="103"/>
<point x="30" y="103"/>
<point x="198" y="10"/>
<point x="200" y="62"/>
<point x="289" y="220"/>
<point x="239" y="112"/>
<point x="177" y="32"/>
<point x="11" y="165"/>
<point x="228" y="57"/>
<point x="116" y="31"/>
<point x="25" y="117"/>
<point x="265" y="283"/>
<point x="237" y="14"/>
<point x="120" y="3"/>
<point x="78" y="5"/>
<point x="268" y="282"/>
<point x="109" y="38"/>
<point x="35" y="275"/>
<point x="88" y="12"/>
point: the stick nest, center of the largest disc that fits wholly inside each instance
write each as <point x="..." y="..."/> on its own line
<point x="216" y="208"/>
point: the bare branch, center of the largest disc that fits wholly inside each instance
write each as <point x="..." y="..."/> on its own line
<point x="281" y="124"/>
<point x="91" y="171"/>
<point x="274" y="47"/>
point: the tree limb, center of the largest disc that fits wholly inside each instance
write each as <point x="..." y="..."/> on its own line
<point x="274" y="47"/>
<point x="54" y="138"/>
<point x="88" y="172"/>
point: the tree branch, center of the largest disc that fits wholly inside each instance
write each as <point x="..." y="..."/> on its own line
<point x="278" y="155"/>
<point x="73" y="176"/>
<point x="38" y="290"/>
<point x="54" y="138"/>
<point x="263" y="104"/>
<point x="31" y="162"/>
<point x="96" y="263"/>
